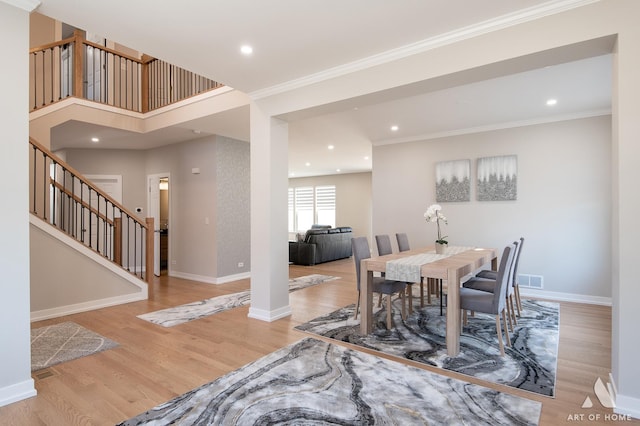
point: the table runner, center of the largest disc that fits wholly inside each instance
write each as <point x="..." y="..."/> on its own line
<point x="408" y="268"/>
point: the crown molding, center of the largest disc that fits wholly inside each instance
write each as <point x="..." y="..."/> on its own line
<point x="28" y="5"/>
<point x="536" y="12"/>
<point x="492" y="127"/>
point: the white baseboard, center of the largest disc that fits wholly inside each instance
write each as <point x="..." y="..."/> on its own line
<point x="209" y="280"/>
<point x="269" y="316"/>
<point x="624" y="405"/>
<point x="87" y="306"/>
<point x="17" y="392"/>
<point x="565" y="297"/>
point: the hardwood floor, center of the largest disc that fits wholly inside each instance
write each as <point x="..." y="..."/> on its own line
<point x="154" y="364"/>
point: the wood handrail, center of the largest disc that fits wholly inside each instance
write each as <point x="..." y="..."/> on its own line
<point x="83" y="203"/>
<point x="112" y="51"/>
<point x="91" y="185"/>
<point x="53" y="44"/>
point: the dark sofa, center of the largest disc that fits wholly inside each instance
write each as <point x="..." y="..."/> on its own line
<point x="321" y="245"/>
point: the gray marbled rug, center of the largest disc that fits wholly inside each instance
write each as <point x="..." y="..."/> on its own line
<point x="203" y="308"/>
<point x="62" y="342"/>
<point x="530" y="364"/>
<point x="316" y="383"/>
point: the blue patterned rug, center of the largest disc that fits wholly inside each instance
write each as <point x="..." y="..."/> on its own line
<point x="530" y="364"/>
<point x="316" y="383"/>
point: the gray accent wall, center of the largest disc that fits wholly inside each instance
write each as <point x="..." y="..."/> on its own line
<point x="563" y="208"/>
<point x="233" y="214"/>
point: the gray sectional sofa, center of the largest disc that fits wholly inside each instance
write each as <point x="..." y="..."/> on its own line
<point x="321" y="245"/>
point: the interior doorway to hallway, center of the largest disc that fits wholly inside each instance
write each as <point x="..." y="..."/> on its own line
<point x="159" y="209"/>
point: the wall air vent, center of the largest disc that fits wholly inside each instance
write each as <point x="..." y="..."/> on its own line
<point x="531" y="281"/>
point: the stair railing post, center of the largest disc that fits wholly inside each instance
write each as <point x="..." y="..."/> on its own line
<point x="117" y="240"/>
<point x="78" y="64"/>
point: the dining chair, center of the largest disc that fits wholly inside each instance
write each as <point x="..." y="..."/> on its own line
<point x="491" y="303"/>
<point x="360" y="247"/>
<point x="403" y="245"/>
<point x="513" y="291"/>
<point x="384" y="247"/>
<point x="489" y="285"/>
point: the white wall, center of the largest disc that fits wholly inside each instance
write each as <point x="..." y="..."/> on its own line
<point x="563" y="208"/>
<point x="15" y="357"/>
<point x="353" y="199"/>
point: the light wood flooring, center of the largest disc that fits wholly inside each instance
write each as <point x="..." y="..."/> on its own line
<point x="154" y="364"/>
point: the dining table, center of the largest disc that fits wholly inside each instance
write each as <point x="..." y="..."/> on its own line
<point x="412" y="265"/>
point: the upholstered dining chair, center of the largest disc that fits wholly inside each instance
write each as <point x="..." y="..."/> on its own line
<point x="491" y="303"/>
<point x="360" y="247"/>
<point x="489" y="285"/>
<point x="403" y="242"/>
<point x="514" y="290"/>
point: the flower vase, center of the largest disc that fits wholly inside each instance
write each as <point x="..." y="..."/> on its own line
<point x="441" y="248"/>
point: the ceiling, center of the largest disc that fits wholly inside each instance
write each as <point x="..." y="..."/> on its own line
<point x="296" y="40"/>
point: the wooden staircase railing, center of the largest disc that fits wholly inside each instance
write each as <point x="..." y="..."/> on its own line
<point x="77" y="67"/>
<point x="65" y="199"/>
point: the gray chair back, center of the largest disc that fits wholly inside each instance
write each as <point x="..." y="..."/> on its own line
<point x="514" y="278"/>
<point x="360" y="248"/>
<point x="403" y="242"/>
<point x="502" y="280"/>
<point x="384" y="245"/>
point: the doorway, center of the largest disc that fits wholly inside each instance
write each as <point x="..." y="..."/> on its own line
<point x="159" y="209"/>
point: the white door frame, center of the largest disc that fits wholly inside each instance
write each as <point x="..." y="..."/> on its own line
<point x="153" y="210"/>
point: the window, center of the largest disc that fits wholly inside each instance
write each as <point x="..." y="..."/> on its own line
<point x="309" y="205"/>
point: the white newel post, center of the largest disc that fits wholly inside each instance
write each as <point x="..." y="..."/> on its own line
<point x="269" y="250"/>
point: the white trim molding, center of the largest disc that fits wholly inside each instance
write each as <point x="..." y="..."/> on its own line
<point x="209" y="280"/>
<point x="495" y="24"/>
<point x="269" y="316"/>
<point x="17" y="392"/>
<point x="623" y="405"/>
<point x="87" y="306"/>
<point x="565" y="297"/>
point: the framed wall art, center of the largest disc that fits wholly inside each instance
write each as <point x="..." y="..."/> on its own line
<point x="498" y="178"/>
<point x="453" y="181"/>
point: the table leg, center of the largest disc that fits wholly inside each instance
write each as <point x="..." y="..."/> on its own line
<point x="366" y="299"/>
<point x="453" y="312"/>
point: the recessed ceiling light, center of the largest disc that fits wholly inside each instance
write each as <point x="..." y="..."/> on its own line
<point x="95" y="140"/>
<point x="330" y="147"/>
<point x="338" y="170"/>
<point x="246" y="50"/>
<point x="366" y="158"/>
<point x="307" y="164"/>
<point x="551" y="102"/>
<point x="394" y="128"/>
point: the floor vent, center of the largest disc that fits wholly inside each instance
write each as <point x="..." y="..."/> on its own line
<point x="531" y="281"/>
<point x="43" y="374"/>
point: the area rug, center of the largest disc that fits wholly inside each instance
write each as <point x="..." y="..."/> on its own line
<point x="315" y="382"/>
<point x="192" y="311"/>
<point x="63" y="342"/>
<point x="530" y="364"/>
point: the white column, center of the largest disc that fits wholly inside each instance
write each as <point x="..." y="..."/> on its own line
<point x="15" y="356"/>
<point x="626" y="228"/>
<point x="269" y="246"/>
